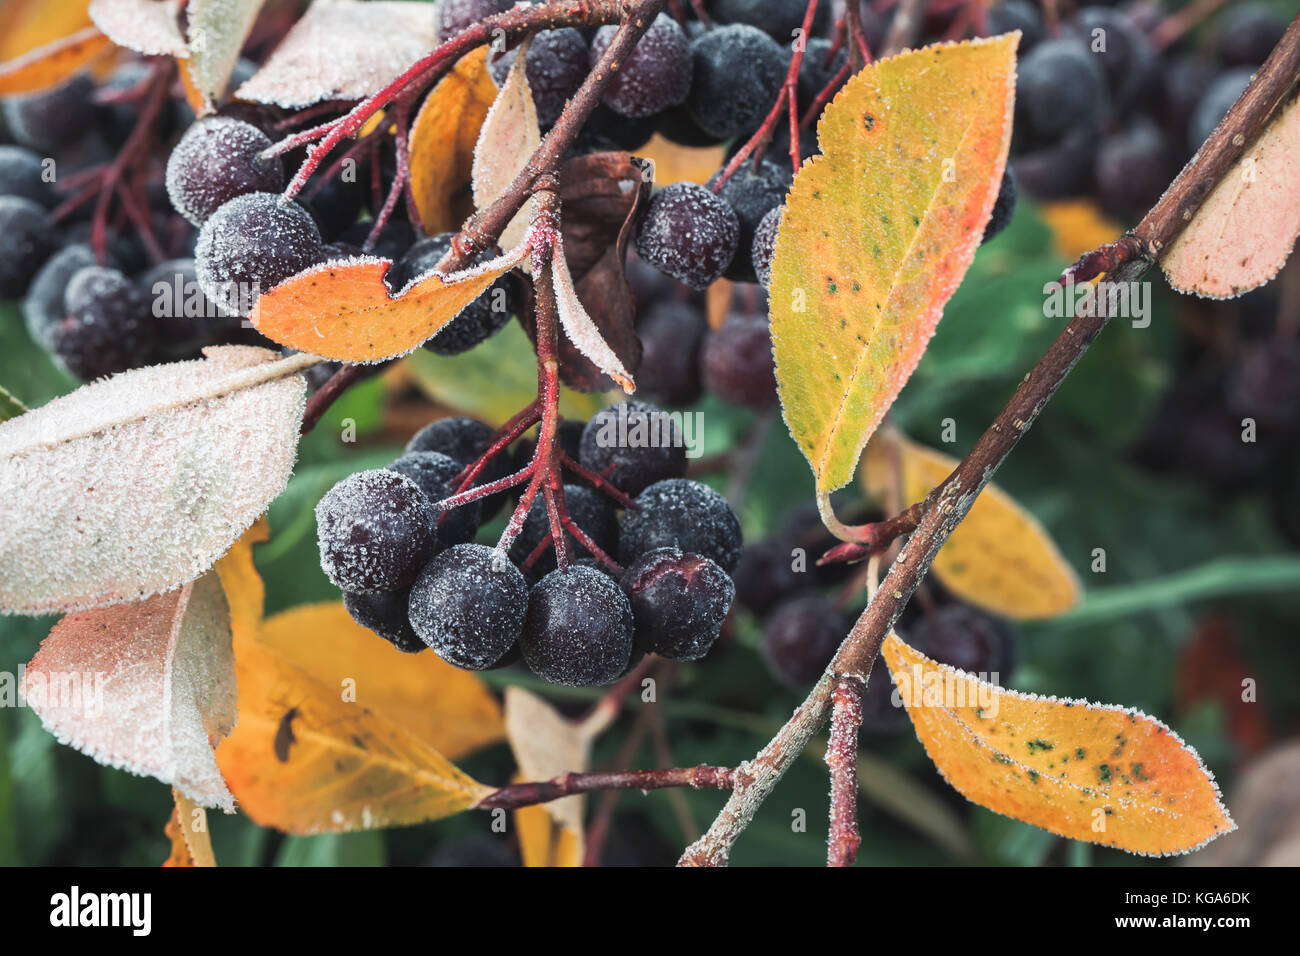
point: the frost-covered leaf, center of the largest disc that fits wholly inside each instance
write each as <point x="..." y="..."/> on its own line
<point x="53" y="63"/>
<point x="152" y="27"/>
<point x="999" y="558"/>
<point x="1248" y="225"/>
<point x="137" y="483"/>
<point x="1094" y="772"/>
<point x="156" y="684"/>
<point x="877" y="234"/>
<point x="443" y="138"/>
<point x="217" y="30"/>
<point x="342" y="50"/>
<point x="506" y="142"/>
<point x="327" y="749"/>
<point x="344" y="311"/>
<point x="580" y="329"/>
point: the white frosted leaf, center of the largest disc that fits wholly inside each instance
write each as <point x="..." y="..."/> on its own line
<point x="146" y="687"/>
<point x="137" y="483"/>
<point x="152" y="27"/>
<point x="506" y="141"/>
<point x="1242" y="234"/>
<point x="217" y="31"/>
<point x="579" y="327"/>
<point x="343" y="50"/>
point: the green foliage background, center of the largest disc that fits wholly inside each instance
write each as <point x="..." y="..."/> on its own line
<point x="1176" y="551"/>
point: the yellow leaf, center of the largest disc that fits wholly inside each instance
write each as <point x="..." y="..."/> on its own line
<point x="448" y="708"/>
<point x="304" y="759"/>
<point x="675" y="163"/>
<point x="187" y="829"/>
<point x="1244" y="231"/>
<point x="999" y="558"/>
<point x="244" y="589"/>
<point x="344" y="311"/>
<point x="877" y="234"/>
<point x="1078" y="226"/>
<point x="1092" y="772"/>
<point x="442" y="143"/>
<point x="543" y="841"/>
<point x="52" y="63"/>
<point x="26" y="25"/>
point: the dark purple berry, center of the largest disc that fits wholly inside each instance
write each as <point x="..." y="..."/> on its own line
<point x="555" y="68"/>
<point x="435" y="474"/>
<point x="766" y="574"/>
<point x="752" y="194"/>
<point x="1247" y="34"/>
<point x="54" y="118"/>
<point x="1004" y="207"/>
<point x="590" y="510"/>
<point x="1216" y="102"/>
<point x="1059" y="86"/>
<point x="685" y="514"/>
<point x="452" y="17"/>
<point x="44" y="309"/>
<point x="633" y="444"/>
<point x="105" y="328"/>
<point x="967" y="639"/>
<point x="22" y="174"/>
<point x="384" y="612"/>
<point x="800" y="637"/>
<point x="375" y="530"/>
<point x="671" y="334"/>
<point x="27" y="239"/>
<point x="1133" y="169"/>
<point x="739" y="70"/>
<point x="655" y="76"/>
<point x="216" y="160"/>
<point x="578" y="630"/>
<point x="737" y="362"/>
<point x="679" y="602"/>
<point x="689" y="234"/>
<point x="765" y="246"/>
<point x="468" y="605"/>
<point x="463" y="440"/>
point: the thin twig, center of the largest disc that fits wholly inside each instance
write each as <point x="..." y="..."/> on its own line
<point x="518" y="795"/>
<point x="842" y="759"/>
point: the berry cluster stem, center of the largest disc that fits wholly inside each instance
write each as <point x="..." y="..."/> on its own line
<point x="517" y="795"/>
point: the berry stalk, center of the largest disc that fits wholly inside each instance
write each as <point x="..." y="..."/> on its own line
<point x="702" y="777"/>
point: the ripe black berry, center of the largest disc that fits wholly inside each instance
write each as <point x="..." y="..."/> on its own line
<point x="435" y="474"/>
<point x="738" y="73"/>
<point x="800" y="638"/>
<point x="633" y="444"/>
<point x="468" y="606"/>
<point x="679" y="602"/>
<point x="688" y="233"/>
<point x="962" y="637"/>
<point x="737" y="361"/>
<point x="1133" y="168"/>
<point x="752" y="194"/>
<point x="655" y="76"/>
<point x="1247" y="34"/>
<point x="555" y="68"/>
<point x="1216" y="102"/>
<point x="251" y="244"/>
<point x="578" y="630"/>
<point x="479" y="320"/>
<point x="22" y="175"/>
<point x="777" y="18"/>
<point x="216" y="160"/>
<point x="463" y="440"/>
<point x="685" y="514"/>
<point x="384" y="612"/>
<point x="104" y="330"/>
<point x="43" y="309"/>
<point x="1059" y="85"/>
<point x="671" y="334"/>
<point x="816" y="71"/>
<point x="26" y="241"/>
<point x="1015" y="15"/>
<point x="375" y="530"/>
<point x="766" y="574"/>
<point x="54" y="118"/>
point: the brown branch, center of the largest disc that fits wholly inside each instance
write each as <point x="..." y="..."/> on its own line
<point x="518" y="795"/>
<point x="842" y="759"/>
<point x="956" y="495"/>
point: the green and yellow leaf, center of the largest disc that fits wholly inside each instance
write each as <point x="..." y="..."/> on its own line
<point x="877" y="234"/>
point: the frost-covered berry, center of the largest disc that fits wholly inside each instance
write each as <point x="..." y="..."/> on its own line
<point x="22" y="174"/>
<point x="435" y="473"/>
<point x="738" y="71"/>
<point x="216" y="160"/>
<point x="43" y="309"/>
<point x="689" y="234"/>
<point x="679" y="602"/>
<point x="685" y="514"/>
<point x="375" y="530"/>
<point x="468" y="605"/>
<point x="1004" y="207"/>
<point x="57" y="117"/>
<point x="578" y="630"/>
<point x="384" y="612"/>
<point x="654" y="76"/>
<point x="251" y="244"/>
<point x="452" y="17"/>
<point x="463" y="440"/>
<point x="752" y="194"/>
<point x="765" y="246"/>
<point x="104" y="328"/>
<point x="555" y="68"/>
<point x="670" y="334"/>
<point x="634" y="444"/>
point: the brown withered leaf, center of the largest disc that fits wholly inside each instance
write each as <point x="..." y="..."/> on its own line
<point x="600" y="195"/>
